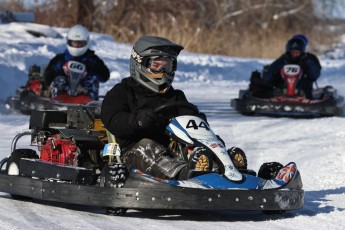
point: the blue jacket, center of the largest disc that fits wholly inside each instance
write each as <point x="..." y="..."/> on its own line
<point x="94" y="66"/>
<point x="309" y="63"/>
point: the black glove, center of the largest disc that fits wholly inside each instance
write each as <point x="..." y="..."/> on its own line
<point x="90" y="66"/>
<point x="146" y="118"/>
<point x="304" y="64"/>
<point x="303" y="61"/>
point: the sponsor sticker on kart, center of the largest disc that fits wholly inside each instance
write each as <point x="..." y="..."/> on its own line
<point x="111" y="149"/>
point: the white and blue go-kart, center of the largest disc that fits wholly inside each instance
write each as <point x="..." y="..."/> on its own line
<point x="57" y="173"/>
<point x="222" y="187"/>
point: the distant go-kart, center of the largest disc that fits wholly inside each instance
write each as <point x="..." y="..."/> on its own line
<point x="79" y="162"/>
<point x="34" y="96"/>
<point x="289" y="101"/>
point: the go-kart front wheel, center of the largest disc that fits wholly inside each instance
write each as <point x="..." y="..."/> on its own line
<point x="114" y="175"/>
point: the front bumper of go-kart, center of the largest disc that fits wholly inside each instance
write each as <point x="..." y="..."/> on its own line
<point x="144" y="193"/>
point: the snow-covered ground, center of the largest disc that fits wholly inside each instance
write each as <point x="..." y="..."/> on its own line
<point x="316" y="145"/>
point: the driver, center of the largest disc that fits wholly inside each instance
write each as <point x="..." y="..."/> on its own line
<point x="295" y="53"/>
<point x="77" y="50"/>
<point x="128" y="109"/>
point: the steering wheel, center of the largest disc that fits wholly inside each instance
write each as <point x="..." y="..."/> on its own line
<point x="173" y="104"/>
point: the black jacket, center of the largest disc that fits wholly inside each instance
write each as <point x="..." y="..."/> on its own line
<point x="125" y="100"/>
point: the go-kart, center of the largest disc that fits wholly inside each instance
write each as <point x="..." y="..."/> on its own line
<point x="287" y="101"/>
<point x="34" y="95"/>
<point x="79" y="162"/>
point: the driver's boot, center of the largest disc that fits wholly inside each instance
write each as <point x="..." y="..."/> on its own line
<point x="199" y="162"/>
<point x="238" y="158"/>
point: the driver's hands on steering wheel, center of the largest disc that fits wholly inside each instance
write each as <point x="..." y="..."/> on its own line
<point x="146" y="118"/>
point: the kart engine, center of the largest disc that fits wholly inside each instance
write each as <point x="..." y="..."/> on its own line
<point x="59" y="150"/>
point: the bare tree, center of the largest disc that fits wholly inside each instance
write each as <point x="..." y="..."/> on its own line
<point x="257" y="28"/>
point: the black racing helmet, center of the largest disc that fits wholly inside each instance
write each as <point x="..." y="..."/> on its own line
<point x="153" y="62"/>
<point x="296" y="44"/>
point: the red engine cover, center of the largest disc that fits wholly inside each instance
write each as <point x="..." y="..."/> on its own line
<point x="58" y="150"/>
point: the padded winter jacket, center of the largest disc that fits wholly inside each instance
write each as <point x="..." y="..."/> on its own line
<point x="126" y="99"/>
<point x="309" y="63"/>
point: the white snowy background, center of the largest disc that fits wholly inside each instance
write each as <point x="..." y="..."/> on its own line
<point x="316" y="145"/>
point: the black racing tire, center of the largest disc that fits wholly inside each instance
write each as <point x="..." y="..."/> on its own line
<point x="269" y="170"/>
<point x="2" y="163"/>
<point x="13" y="165"/>
<point x="13" y="162"/>
<point x="114" y="175"/>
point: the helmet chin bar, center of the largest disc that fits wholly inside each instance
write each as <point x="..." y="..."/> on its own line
<point x="156" y="85"/>
<point x="156" y="75"/>
<point x="76" y="52"/>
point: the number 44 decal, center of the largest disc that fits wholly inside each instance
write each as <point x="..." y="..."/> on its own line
<point x="192" y="124"/>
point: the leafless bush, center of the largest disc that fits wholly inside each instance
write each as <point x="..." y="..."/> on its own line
<point x="255" y="28"/>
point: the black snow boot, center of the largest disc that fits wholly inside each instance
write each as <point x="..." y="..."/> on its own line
<point x="238" y="158"/>
<point x="199" y="162"/>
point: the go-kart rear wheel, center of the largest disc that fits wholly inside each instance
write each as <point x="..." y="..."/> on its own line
<point x="269" y="170"/>
<point x="13" y="162"/>
<point x="114" y="175"/>
<point x="13" y="165"/>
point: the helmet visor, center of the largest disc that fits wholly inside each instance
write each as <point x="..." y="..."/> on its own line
<point x="159" y="64"/>
<point x="76" y="44"/>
